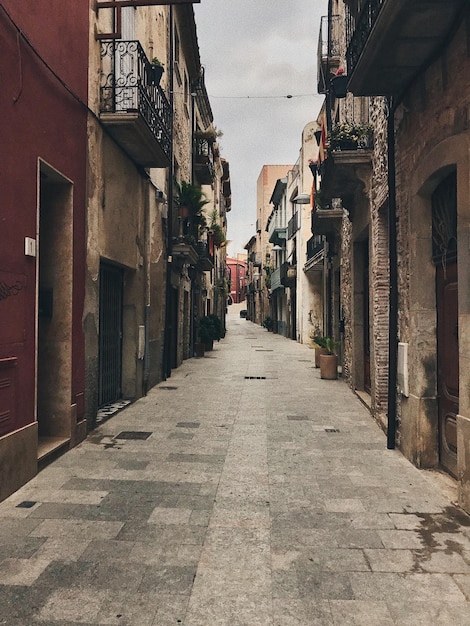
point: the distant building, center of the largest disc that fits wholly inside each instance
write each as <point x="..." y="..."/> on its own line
<point x="237" y="270"/>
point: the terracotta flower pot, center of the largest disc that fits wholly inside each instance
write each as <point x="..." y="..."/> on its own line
<point x="319" y="351"/>
<point x="329" y="366"/>
<point x="183" y="211"/>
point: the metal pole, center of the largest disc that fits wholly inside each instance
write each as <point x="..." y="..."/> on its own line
<point x="393" y="286"/>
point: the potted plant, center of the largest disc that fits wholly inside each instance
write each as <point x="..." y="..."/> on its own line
<point x="190" y="201"/>
<point x="157" y="70"/>
<point x="217" y="327"/>
<point x="329" y="361"/>
<point x="210" y="329"/>
<point x="350" y="136"/>
<point x="205" y="332"/>
<point x="268" y="323"/>
<point x="199" y="349"/>
<point x="319" y="344"/>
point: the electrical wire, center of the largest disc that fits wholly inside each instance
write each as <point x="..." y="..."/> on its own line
<point x="288" y="96"/>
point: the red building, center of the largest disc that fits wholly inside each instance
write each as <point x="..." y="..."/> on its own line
<point x="237" y="270"/>
<point x="43" y="135"/>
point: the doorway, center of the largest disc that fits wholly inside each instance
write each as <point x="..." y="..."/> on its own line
<point x="110" y="335"/>
<point x="444" y="246"/>
<point x="54" y="311"/>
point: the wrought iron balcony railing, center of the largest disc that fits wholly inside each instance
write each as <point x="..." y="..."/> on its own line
<point x="129" y="93"/>
<point x="391" y="42"/>
<point x="204" y="161"/>
<point x="206" y="260"/>
<point x="293" y="225"/>
<point x="315" y="245"/>
<point x="358" y="30"/>
<point x="329" y="50"/>
<point x="276" y="280"/>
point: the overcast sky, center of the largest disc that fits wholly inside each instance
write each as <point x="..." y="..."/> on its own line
<point x="256" y="52"/>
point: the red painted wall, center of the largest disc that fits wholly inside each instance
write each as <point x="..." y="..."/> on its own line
<point x="40" y="118"/>
<point x="237" y="271"/>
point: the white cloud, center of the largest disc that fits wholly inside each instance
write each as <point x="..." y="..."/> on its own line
<point x="264" y="49"/>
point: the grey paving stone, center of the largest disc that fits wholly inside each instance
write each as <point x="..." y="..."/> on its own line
<point x="231" y="514"/>
<point x="168" y="579"/>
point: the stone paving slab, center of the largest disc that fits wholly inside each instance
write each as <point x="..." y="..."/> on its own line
<point x="243" y="491"/>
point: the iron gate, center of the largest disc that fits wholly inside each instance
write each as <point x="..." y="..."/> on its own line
<point x="110" y="338"/>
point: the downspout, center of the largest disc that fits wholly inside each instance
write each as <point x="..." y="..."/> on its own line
<point x="327" y="282"/>
<point x="166" y="373"/>
<point x="393" y="285"/>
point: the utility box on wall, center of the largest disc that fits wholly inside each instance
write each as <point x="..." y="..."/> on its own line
<point x="402" y="369"/>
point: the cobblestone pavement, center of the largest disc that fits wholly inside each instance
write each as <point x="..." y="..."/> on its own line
<point x="243" y="491"/>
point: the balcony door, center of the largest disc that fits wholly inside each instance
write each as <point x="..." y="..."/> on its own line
<point x="126" y="63"/>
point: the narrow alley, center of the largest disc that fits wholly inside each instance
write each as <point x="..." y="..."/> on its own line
<point x="242" y="491"/>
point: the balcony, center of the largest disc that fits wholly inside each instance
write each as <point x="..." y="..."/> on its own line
<point x="133" y="109"/>
<point x="277" y="230"/>
<point x="288" y="275"/>
<point x="276" y="280"/>
<point x="315" y="253"/>
<point x="329" y="51"/>
<point x="346" y="174"/>
<point x="293" y="225"/>
<point x="205" y="261"/>
<point x="184" y="252"/>
<point x="326" y="221"/>
<point x="390" y="41"/>
<point x="204" y="161"/>
<point x="254" y="259"/>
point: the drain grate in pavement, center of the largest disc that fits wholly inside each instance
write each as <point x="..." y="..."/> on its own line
<point x="255" y="377"/>
<point x="168" y="388"/>
<point x="264" y="350"/>
<point x="297" y="418"/>
<point x="188" y="424"/>
<point x="133" y="434"/>
<point x="26" y="504"/>
<point x="332" y="430"/>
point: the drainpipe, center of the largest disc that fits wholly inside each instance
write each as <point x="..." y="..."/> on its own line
<point x="393" y="269"/>
<point x="166" y="373"/>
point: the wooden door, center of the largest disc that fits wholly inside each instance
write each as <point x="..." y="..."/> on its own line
<point x="110" y="338"/>
<point x="447" y="364"/>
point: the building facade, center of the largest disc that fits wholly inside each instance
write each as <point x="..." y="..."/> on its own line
<point x="42" y="258"/>
<point x="103" y="280"/>
<point x="237" y="270"/>
<point x="404" y="196"/>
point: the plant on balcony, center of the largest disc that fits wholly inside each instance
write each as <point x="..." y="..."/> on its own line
<point x="350" y="136"/>
<point x="157" y="70"/>
<point x="215" y="230"/>
<point x="191" y="201"/>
